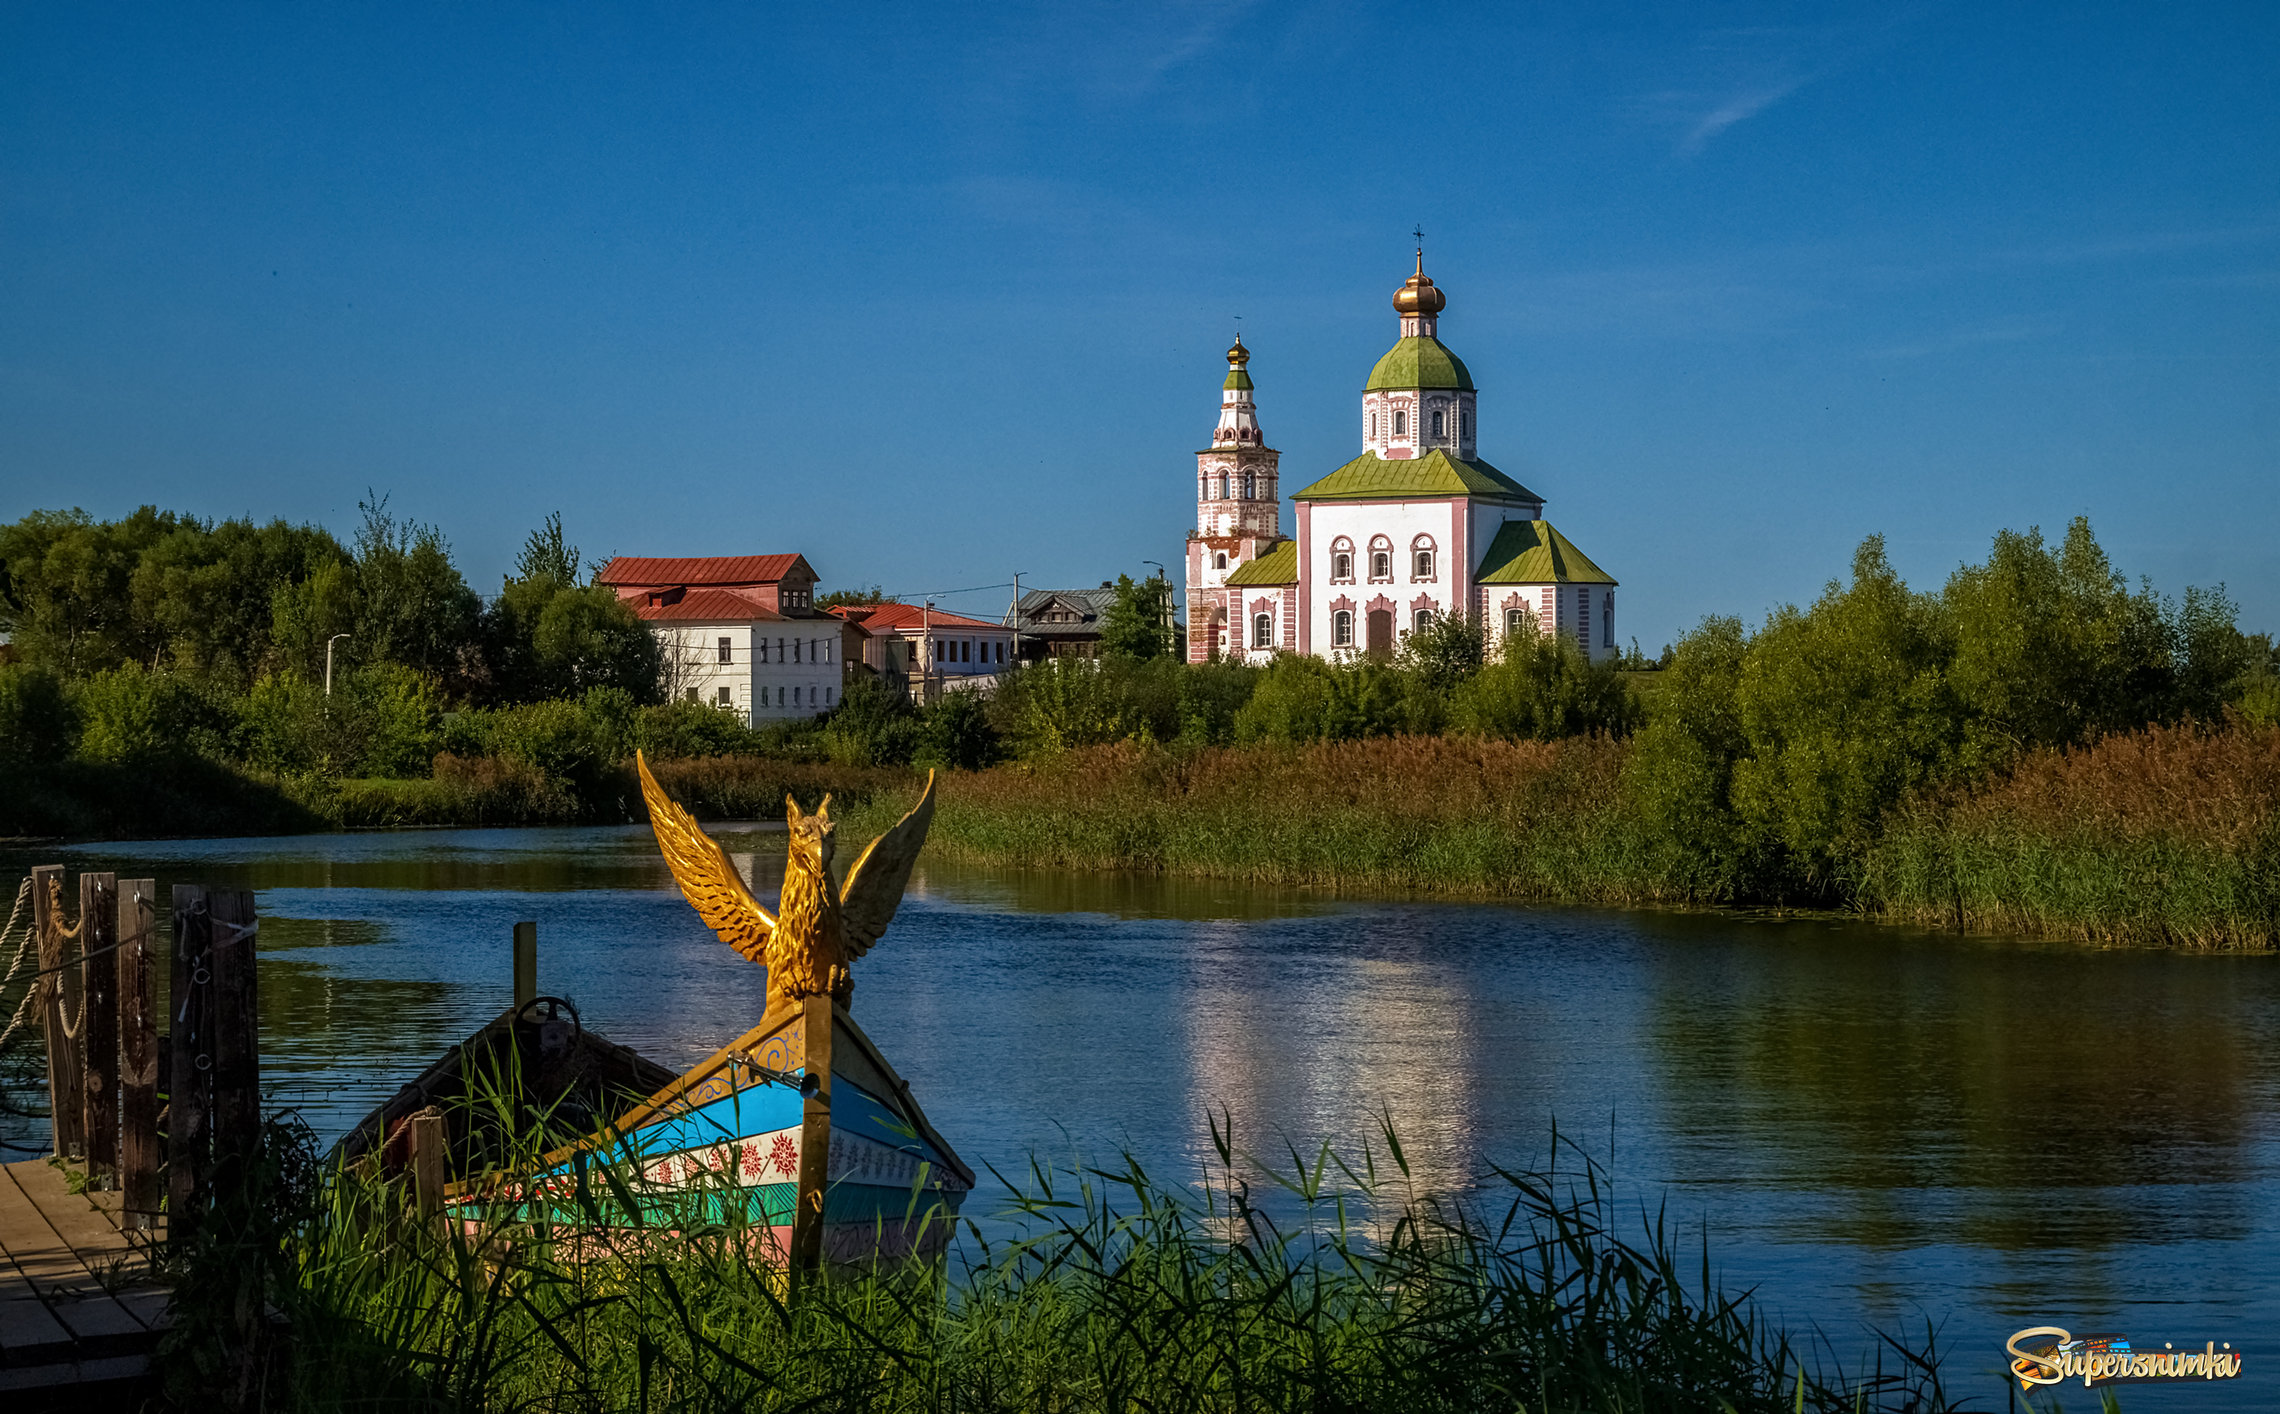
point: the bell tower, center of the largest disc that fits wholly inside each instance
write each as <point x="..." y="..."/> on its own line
<point x="1238" y="501"/>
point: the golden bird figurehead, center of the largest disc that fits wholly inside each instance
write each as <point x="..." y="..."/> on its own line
<point x="811" y="835"/>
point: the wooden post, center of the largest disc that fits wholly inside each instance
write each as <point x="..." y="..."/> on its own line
<point x="99" y="1025"/>
<point x="526" y="963"/>
<point x="66" y="1105"/>
<point x="138" y="1057"/>
<point x="428" y="1155"/>
<point x="191" y="1094"/>
<point x="815" y="1142"/>
<point x="237" y="1027"/>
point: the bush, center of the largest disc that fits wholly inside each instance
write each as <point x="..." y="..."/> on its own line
<point x="36" y="724"/>
<point x="677" y="729"/>
<point x="1306" y="699"/>
<point x="130" y="716"/>
<point x="383" y="721"/>
<point x="873" y="725"/>
<point x="1543" y="688"/>
<point x="956" y="732"/>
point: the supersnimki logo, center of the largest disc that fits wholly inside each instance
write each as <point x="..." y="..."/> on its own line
<point x="2047" y="1355"/>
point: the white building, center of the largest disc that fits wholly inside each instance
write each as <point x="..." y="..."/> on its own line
<point x="739" y="631"/>
<point x="1415" y="528"/>
<point x="929" y="649"/>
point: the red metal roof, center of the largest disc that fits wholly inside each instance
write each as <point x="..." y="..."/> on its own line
<point x="703" y="606"/>
<point x="909" y="618"/>
<point x="700" y="569"/>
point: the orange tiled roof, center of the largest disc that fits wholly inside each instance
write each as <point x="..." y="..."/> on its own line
<point x="908" y="618"/>
<point x="701" y="569"/>
<point x="703" y="606"/>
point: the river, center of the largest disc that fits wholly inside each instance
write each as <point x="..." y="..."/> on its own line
<point x="1875" y="1126"/>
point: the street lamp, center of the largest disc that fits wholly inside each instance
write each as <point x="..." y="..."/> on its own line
<point x="328" y="660"/>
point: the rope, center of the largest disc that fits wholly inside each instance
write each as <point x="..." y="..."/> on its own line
<point x="15" y="964"/>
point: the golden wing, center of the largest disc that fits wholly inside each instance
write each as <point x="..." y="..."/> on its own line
<point x="707" y="877"/>
<point x="874" y="887"/>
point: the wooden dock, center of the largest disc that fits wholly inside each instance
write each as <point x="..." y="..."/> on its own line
<point x="80" y="1305"/>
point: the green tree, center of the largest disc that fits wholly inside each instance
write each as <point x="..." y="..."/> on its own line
<point x="209" y="591"/>
<point x="956" y="732"/>
<point x="1681" y="772"/>
<point x="869" y="594"/>
<point x="1138" y="624"/>
<point x="36" y="725"/>
<point x="546" y="555"/>
<point x="412" y="606"/>
<point x="1847" y="709"/>
<point x="66" y="589"/>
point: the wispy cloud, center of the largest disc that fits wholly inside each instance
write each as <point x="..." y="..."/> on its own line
<point x="1737" y="108"/>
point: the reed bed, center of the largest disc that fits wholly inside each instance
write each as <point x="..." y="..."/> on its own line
<point x="1536" y="820"/>
<point x="1335" y="1289"/>
<point x="2168" y="836"/>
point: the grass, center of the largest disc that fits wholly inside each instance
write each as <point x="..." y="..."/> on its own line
<point x="1324" y="1285"/>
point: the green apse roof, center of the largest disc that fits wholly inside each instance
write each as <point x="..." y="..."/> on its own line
<point x="1277" y="566"/>
<point x="1237" y="378"/>
<point x="1370" y="477"/>
<point x="1419" y="362"/>
<point x="1531" y="552"/>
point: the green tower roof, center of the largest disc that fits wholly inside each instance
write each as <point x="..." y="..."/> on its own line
<point x="1419" y="361"/>
<point x="1237" y="378"/>
<point x="1370" y="477"/>
<point x="1531" y="552"/>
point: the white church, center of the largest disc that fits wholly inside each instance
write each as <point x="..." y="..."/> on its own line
<point x="1416" y="527"/>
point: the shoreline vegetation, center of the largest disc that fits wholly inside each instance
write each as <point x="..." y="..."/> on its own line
<point x="2035" y="747"/>
<point x="1325" y="1283"/>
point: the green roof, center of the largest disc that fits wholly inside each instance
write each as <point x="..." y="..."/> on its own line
<point x="1237" y="378"/>
<point x="1370" y="477"/>
<point x="1277" y="566"/>
<point x="1419" y="362"/>
<point x="1531" y="552"/>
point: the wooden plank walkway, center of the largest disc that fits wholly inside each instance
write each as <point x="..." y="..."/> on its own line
<point x="80" y="1304"/>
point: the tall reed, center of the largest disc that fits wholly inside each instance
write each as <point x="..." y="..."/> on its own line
<point x="2168" y="836"/>
<point x="1539" y="820"/>
<point x="1326" y="1284"/>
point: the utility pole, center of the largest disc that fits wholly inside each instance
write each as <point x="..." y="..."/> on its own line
<point x="328" y="660"/>
<point x="1017" y="618"/>
<point x="1164" y="599"/>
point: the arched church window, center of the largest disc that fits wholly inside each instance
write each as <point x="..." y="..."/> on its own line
<point x="1400" y="423"/>
<point x="1607" y="621"/>
<point x="1342" y="566"/>
<point x="1422" y="621"/>
<point x="1342" y="629"/>
<point x="1464" y="423"/>
<point x="1515" y="622"/>
<point x="1250" y="486"/>
<point x="1381" y="564"/>
<point x="1421" y="557"/>
<point x="1219" y="561"/>
<point x="1223" y="486"/>
<point x="1262" y="630"/>
<point x="1437" y="422"/>
<point x="1373" y="427"/>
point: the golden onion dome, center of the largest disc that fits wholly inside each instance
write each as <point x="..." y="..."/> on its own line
<point x="1419" y="296"/>
<point x="1238" y="355"/>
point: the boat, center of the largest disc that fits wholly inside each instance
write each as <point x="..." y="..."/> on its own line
<point x="799" y="1132"/>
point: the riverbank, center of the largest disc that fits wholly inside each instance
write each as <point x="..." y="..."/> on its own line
<point x="2165" y="837"/>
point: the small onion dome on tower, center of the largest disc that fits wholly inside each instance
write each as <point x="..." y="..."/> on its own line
<point x="1418" y="297"/>
<point x="1237" y="375"/>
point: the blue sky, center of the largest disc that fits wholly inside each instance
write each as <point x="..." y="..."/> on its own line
<point x="936" y="294"/>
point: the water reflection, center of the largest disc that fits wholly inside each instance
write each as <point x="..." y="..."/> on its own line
<point x="1871" y="1123"/>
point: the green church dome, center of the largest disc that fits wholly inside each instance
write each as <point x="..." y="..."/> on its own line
<point x="1419" y="361"/>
